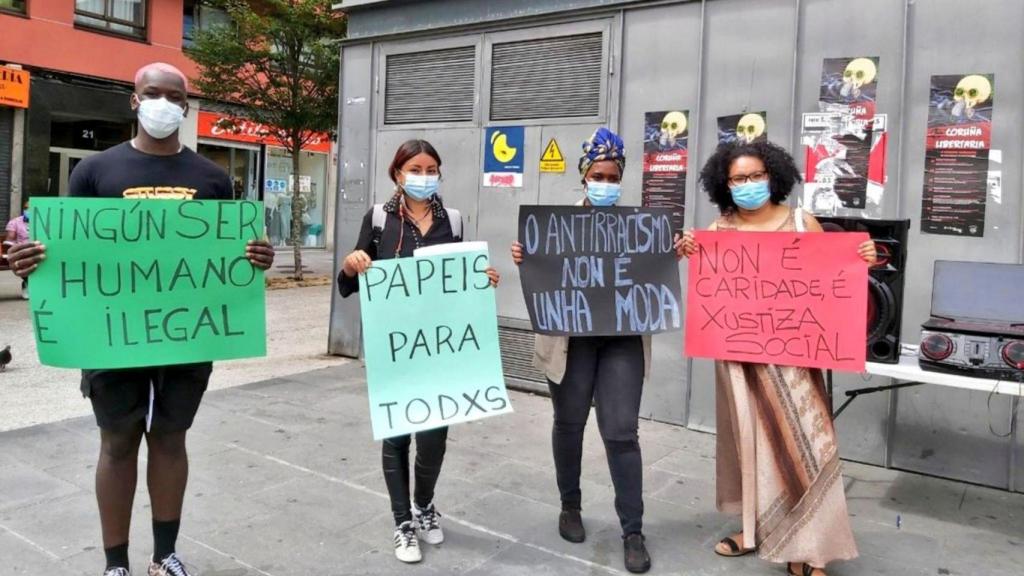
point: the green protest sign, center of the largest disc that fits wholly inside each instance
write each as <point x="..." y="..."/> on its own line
<point x="430" y="337"/>
<point x="132" y="283"/>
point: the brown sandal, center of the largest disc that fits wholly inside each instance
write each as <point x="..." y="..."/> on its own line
<point x="734" y="548"/>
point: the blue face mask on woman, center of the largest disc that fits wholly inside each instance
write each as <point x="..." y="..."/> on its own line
<point x="752" y="195"/>
<point x="421" y="186"/>
<point x="603" y="193"/>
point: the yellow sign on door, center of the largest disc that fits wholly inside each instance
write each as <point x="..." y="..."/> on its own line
<point x="552" y="160"/>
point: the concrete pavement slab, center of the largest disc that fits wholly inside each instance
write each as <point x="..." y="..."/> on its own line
<point x="286" y="480"/>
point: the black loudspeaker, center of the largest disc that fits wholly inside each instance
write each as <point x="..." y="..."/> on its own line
<point x="885" y="282"/>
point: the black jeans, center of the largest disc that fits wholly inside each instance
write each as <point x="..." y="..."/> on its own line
<point x="430" y="448"/>
<point x="608" y="370"/>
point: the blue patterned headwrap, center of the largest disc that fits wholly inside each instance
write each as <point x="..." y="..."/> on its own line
<point x="603" y="145"/>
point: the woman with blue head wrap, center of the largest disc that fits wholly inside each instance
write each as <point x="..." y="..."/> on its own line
<point x="601" y="167"/>
<point x="608" y="371"/>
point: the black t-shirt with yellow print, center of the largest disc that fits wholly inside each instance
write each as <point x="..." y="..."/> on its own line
<point x="124" y="172"/>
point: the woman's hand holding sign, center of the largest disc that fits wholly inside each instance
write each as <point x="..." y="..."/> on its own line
<point x="493" y="275"/>
<point x="679" y="245"/>
<point x="356" y="263"/>
<point x="689" y="247"/>
<point x="868" y="252"/>
<point x="517" y="253"/>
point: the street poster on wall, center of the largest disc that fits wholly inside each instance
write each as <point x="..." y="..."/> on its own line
<point x="956" y="179"/>
<point x="748" y="127"/>
<point x="666" y="136"/>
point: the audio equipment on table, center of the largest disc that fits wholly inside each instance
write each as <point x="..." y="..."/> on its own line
<point x="885" y="282"/>
<point x="977" y="321"/>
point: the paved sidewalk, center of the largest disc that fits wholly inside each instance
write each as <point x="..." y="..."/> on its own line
<point x="286" y="482"/>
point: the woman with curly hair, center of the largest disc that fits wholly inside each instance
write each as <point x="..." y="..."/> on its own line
<point x="777" y="457"/>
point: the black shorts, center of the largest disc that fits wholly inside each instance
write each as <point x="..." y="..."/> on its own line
<point x="120" y="398"/>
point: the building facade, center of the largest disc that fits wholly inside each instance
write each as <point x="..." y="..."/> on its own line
<point x="79" y="58"/>
<point x="561" y="68"/>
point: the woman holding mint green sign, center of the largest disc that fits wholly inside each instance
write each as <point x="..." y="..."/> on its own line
<point x="608" y="371"/>
<point x="413" y="218"/>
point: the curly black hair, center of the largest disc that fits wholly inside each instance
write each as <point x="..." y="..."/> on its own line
<point x="782" y="172"/>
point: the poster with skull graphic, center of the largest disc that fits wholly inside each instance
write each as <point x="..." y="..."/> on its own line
<point x="666" y="136"/>
<point x="956" y="155"/>
<point x="843" y="150"/>
<point x="746" y="128"/>
<point x="850" y="82"/>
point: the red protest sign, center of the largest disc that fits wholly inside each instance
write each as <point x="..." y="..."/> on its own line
<point x="781" y="298"/>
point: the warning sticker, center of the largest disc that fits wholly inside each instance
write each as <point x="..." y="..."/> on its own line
<point x="552" y="160"/>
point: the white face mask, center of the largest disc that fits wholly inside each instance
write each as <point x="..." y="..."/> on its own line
<point x="159" y="117"/>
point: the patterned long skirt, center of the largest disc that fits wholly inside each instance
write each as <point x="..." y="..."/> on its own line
<point x="778" y="463"/>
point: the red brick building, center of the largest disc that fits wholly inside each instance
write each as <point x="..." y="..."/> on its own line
<point x="80" y="57"/>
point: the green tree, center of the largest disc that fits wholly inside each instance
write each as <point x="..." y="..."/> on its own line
<point x="279" y="58"/>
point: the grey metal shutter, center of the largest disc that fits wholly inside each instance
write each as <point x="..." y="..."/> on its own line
<point x="548" y="78"/>
<point x="6" y="145"/>
<point x="517" y="359"/>
<point x="431" y="86"/>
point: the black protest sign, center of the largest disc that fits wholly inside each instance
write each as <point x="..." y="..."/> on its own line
<point x="590" y="271"/>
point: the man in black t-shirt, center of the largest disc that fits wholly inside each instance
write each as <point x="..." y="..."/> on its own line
<point x="155" y="403"/>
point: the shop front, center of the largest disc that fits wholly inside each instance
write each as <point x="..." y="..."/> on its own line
<point x="261" y="169"/>
<point x="70" y="119"/>
<point x="14" y="96"/>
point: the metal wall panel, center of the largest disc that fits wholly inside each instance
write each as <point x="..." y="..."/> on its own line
<point x="939" y="431"/>
<point x="757" y="55"/>
<point x="827" y="30"/>
<point x="747" y="65"/>
<point x="356" y="105"/>
<point x="660" y="67"/>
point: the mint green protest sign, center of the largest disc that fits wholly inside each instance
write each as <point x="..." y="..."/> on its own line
<point x="134" y="283"/>
<point x="430" y="337"/>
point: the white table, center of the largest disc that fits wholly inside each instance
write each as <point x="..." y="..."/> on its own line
<point x="909" y="373"/>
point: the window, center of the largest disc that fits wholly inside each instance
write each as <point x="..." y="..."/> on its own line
<point x="126" y="17"/>
<point x="431" y="86"/>
<point x="17" y="6"/>
<point x="557" y="77"/>
<point x="197" y="16"/>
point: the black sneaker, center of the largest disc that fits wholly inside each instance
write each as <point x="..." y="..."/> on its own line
<point x="637" y="559"/>
<point x="116" y="572"/>
<point x="570" y="526"/>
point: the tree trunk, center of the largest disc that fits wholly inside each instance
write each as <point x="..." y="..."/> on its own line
<point x="297" y="206"/>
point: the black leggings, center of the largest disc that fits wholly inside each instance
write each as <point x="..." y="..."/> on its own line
<point x="607" y="370"/>
<point x="430" y="448"/>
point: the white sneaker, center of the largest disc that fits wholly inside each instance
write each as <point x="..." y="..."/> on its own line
<point x="428" y="524"/>
<point x="407" y="546"/>
<point x="170" y="566"/>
